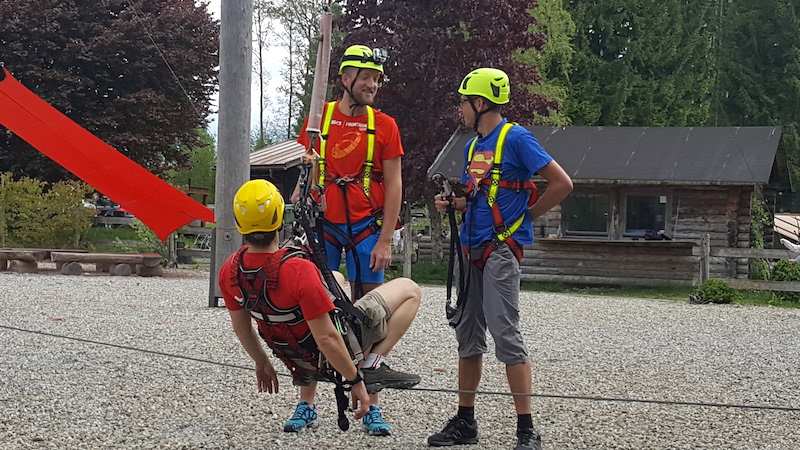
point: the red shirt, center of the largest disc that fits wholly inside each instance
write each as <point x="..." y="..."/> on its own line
<point x="299" y="283"/>
<point x="345" y="153"/>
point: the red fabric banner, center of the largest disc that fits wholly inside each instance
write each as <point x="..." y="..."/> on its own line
<point x="158" y="205"/>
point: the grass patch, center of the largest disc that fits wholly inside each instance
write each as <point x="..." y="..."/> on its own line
<point x="657" y="292"/>
<point x="422" y="272"/>
<point x="107" y="239"/>
<point x="95" y="234"/>
<point x="765" y="298"/>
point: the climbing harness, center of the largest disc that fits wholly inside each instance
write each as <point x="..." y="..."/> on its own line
<point x="300" y="355"/>
<point x="365" y="178"/>
<point x="502" y="231"/>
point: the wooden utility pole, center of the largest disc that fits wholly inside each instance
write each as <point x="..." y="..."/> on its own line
<point x="233" y="144"/>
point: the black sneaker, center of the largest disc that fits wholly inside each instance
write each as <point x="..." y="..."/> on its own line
<point x="528" y="439"/>
<point x="457" y="431"/>
<point x="382" y="377"/>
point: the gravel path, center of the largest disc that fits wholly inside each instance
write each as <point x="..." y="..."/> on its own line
<point x="95" y="361"/>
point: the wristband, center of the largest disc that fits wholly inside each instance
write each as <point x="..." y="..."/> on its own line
<point x="348" y="384"/>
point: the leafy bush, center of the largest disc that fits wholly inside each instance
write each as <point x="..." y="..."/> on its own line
<point x="148" y="241"/>
<point x="759" y="220"/>
<point x="31" y="216"/>
<point x="786" y="270"/>
<point x="715" y="291"/>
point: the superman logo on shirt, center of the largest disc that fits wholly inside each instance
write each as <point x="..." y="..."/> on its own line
<point x="480" y="166"/>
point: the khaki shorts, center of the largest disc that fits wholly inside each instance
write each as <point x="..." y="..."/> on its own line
<point x="375" y="308"/>
<point x="373" y="305"/>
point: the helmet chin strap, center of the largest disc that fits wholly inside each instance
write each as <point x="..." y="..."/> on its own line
<point x="353" y="102"/>
<point x="478" y="115"/>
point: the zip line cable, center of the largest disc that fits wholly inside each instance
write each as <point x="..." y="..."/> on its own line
<point x="442" y="390"/>
<point x="163" y="58"/>
<point x="158" y="49"/>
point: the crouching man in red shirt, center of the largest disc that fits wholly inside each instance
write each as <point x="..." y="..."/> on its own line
<point x="286" y="295"/>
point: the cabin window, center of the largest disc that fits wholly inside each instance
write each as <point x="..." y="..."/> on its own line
<point x="586" y="214"/>
<point x="644" y="212"/>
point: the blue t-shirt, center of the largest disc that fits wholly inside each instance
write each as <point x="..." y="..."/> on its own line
<point x="522" y="158"/>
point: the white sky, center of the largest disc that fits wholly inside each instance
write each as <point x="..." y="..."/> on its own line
<point x="275" y="57"/>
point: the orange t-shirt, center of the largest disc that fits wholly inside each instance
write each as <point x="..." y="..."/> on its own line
<point x="345" y="153"/>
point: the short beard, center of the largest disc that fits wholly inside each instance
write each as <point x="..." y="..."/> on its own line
<point x="357" y="99"/>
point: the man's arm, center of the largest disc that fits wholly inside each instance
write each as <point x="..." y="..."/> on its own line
<point x="559" y="185"/>
<point x="332" y="345"/>
<point x="381" y="256"/>
<point x="266" y="376"/>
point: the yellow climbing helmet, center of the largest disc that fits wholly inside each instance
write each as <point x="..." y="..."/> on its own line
<point x="491" y="84"/>
<point x="258" y="207"/>
<point x="363" y="57"/>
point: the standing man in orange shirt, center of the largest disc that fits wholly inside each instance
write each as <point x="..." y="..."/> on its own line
<point x="359" y="168"/>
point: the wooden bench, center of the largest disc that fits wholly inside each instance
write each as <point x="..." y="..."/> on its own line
<point x="26" y="260"/>
<point x="122" y="264"/>
<point x="21" y="260"/>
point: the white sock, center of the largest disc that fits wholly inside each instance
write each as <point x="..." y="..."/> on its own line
<point x="374" y="360"/>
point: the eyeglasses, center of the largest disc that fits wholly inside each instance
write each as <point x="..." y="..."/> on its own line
<point x="461" y="101"/>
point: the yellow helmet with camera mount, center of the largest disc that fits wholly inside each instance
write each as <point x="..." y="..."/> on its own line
<point x="363" y="57"/>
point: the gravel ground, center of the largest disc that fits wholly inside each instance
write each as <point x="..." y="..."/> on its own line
<point x="95" y="361"/>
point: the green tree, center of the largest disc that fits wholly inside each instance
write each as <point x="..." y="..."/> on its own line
<point x="262" y="34"/>
<point x="554" y="62"/>
<point x="200" y="171"/>
<point x="298" y="25"/>
<point x="139" y="75"/>
<point x="758" y="53"/>
<point x="758" y="50"/>
<point x="641" y="63"/>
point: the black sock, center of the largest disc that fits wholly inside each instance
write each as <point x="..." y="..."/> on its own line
<point x="524" y="421"/>
<point x="467" y="413"/>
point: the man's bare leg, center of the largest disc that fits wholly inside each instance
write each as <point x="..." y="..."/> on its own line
<point x="402" y="297"/>
<point x="308" y="393"/>
<point x="519" y="381"/>
<point x="469" y="377"/>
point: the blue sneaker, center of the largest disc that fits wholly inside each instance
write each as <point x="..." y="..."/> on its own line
<point x="305" y="415"/>
<point x="374" y="424"/>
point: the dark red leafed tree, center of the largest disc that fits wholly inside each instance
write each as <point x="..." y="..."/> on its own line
<point x="138" y="74"/>
<point x="432" y="45"/>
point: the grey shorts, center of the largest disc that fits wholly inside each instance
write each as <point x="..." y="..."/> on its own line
<point x="375" y="308"/>
<point x="492" y="302"/>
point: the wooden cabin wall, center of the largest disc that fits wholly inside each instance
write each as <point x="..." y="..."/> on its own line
<point x="582" y="261"/>
<point x="721" y="212"/>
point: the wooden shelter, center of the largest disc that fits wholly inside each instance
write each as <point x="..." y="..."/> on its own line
<point x="644" y="198"/>
<point x="278" y="164"/>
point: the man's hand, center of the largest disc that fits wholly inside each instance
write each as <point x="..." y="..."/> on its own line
<point x="360" y="400"/>
<point x="459" y="203"/>
<point x="310" y="156"/>
<point x="267" y="378"/>
<point x="381" y="256"/>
